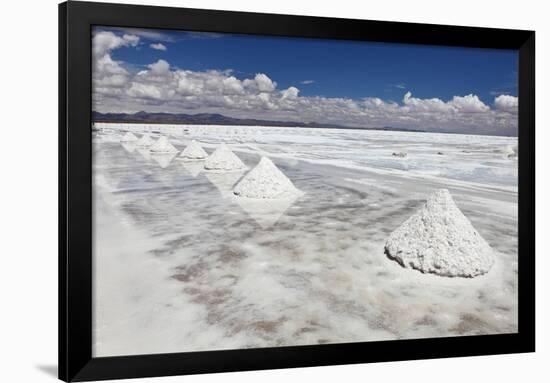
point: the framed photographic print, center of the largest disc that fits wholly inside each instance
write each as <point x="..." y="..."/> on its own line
<point x="245" y="191"/>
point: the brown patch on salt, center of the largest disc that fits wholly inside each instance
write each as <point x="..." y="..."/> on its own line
<point x="187" y="273"/>
<point x="212" y="297"/>
<point x="472" y="324"/>
<point x="265" y="326"/>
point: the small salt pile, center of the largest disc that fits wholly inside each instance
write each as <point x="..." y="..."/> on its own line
<point x="265" y="181"/>
<point x="223" y="159"/>
<point x="163" y="146"/>
<point x="145" y="140"/>
<point x="193" y="152"/>
<point x="129" y="137"/>
<point x="439" y="239"/>
<point x="511" y="151"/>
<point x="399" y="154"/>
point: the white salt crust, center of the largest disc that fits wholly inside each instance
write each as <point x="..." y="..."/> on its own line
<point x="163" y="146"/>
<point x="223" y="159"/>
<point x="145" y="140"/>
<point x="193" y="152"/>
<point x="439" y="239"/>
<point x="265" y="181"/>
<point x="129" y="137"/>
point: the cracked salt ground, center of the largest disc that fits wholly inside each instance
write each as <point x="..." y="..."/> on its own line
<point x="179" y="268"/>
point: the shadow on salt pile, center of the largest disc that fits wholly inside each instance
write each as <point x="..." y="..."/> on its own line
<point x="163" y="159"/>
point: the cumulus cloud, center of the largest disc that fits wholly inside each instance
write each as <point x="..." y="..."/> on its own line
<point x="104" y="42"/>
<point x="161" y="87"/>
<point x="464" y="104"/>
<point x="108" y="73"/>
<point x="425" y="105"/>
<point x="158" y="46"/>
<point x="261" y="83"/>
<point x="506" y="103"/>
<point x="290" y="93"/>
<point x="469" y="104"/>
<point x="159" y="69"/>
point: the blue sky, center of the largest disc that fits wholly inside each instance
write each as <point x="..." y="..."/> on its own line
<point x="326" y="69"/>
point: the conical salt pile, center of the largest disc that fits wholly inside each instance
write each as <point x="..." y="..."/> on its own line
<point x="145" y="140"/>
<point x="193" y="152"/>
<point x="439" y="239"/>
<point x="129" y="137"/>
<point x="163" y="146"/>
<point x="265" y="181"/>
<point x="511" y="151"/>
<point x="223" y="159"/>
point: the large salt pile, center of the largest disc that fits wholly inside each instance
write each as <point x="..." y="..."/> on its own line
<point x="265" y="181"/>
<point x="129" y="137"/>
<point x="145" y="140"/>
<point x="439" y="239"/>
<point x="223" y="159"/>
<point x="193" y="152"/>
<point x="163" y="146"/>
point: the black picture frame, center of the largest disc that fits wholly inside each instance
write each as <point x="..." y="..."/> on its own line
<point x="75" y="192"/>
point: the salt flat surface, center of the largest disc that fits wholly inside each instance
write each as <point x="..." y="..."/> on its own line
<point x="179" y="268"/>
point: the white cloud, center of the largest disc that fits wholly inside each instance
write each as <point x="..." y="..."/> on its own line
<point x="231" y="85"/>
<point x="161" y="87"/>
<point x="506" y="103"/>
<point x="158" y="46"/>
<point x="425" y="105"/>
<point x="104" y="42"/>
<point x="149" y="34"/>
<point x="469" y="104"/>
<point x="108" y="73"/>
<point x="464" y="104"/>
<point x="144" y="91"/>
<point x="307" y="82"/>
<point x="160" y="68"/>
<point x="290" y="93"/>
<point x="261" y="83"/>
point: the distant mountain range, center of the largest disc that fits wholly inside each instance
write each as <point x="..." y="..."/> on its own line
<point x="215" y="119"/>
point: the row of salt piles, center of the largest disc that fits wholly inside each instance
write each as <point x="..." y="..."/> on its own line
<point x="437" y="239"/>
<point x="264" y="181"/>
